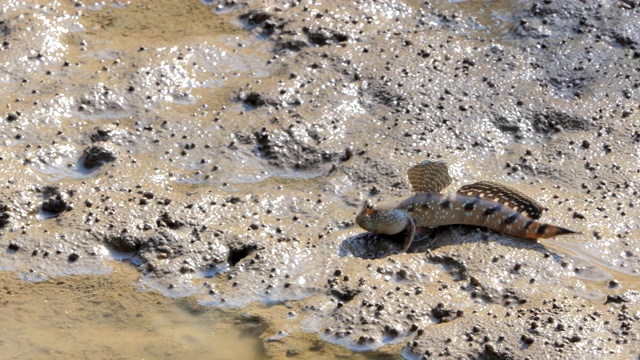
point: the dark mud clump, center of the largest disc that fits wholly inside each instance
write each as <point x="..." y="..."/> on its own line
<point x="5" y="215"/>
<point x="56" y="204"/>
<point x="98" y="155"/>
<point x="297" y="147"/>
<point x="56" y="201"/>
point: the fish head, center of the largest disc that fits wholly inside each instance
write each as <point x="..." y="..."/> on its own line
<point x="382" y="219"/>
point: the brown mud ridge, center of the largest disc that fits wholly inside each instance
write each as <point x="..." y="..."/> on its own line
<point x="225" y="149"/>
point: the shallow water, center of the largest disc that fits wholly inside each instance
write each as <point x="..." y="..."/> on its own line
<point x="105" y="316"/>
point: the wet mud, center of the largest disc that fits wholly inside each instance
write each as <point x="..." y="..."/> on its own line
<point x="223" y="149"/>
<point x="47" y="319"/>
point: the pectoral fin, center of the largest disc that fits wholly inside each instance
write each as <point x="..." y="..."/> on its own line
<point x="412" y="233"/>
<point x="429" y="176"/>
<point x="505" y="195"/>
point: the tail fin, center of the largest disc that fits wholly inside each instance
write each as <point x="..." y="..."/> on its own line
<point x="552" y="230"/>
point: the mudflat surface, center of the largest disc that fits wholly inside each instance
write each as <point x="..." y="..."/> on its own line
<point x="221" y="151"/>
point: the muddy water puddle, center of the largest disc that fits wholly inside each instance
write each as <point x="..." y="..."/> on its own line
<point x="104" y="316"/>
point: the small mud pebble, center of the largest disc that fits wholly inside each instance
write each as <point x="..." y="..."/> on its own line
<point x="363" y="340"/>
<point x="390" y="330"/>
<point x="148" y="195"/>
<point x="575" y="338"/>
<point x="490" y="349"/>
<point x="444" y="315"/>
<point x="527" y="339"/>
<point x="14" y="246"/>
<point x="517" y="267"/>
<point x="73" y="257"/>
<point x="402" y="273"/>
<point x="12" y="116"/>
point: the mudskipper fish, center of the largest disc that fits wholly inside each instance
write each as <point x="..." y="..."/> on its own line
<point x="485" y="203"/>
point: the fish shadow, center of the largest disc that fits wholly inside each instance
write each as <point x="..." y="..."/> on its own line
<point x="370" y="246"/>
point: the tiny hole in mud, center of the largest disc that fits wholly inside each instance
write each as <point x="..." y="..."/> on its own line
<point x="238" y="253"/>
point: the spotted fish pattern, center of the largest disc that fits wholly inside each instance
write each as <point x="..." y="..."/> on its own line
<point x="486" y="204"/>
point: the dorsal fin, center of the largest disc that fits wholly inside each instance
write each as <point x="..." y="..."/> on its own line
<point x="429" y="176"/>
<point x="505" y="195"/>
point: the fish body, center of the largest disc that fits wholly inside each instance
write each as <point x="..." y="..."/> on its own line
<point x="486" y="204"/>
<point x="435" y="209"/>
